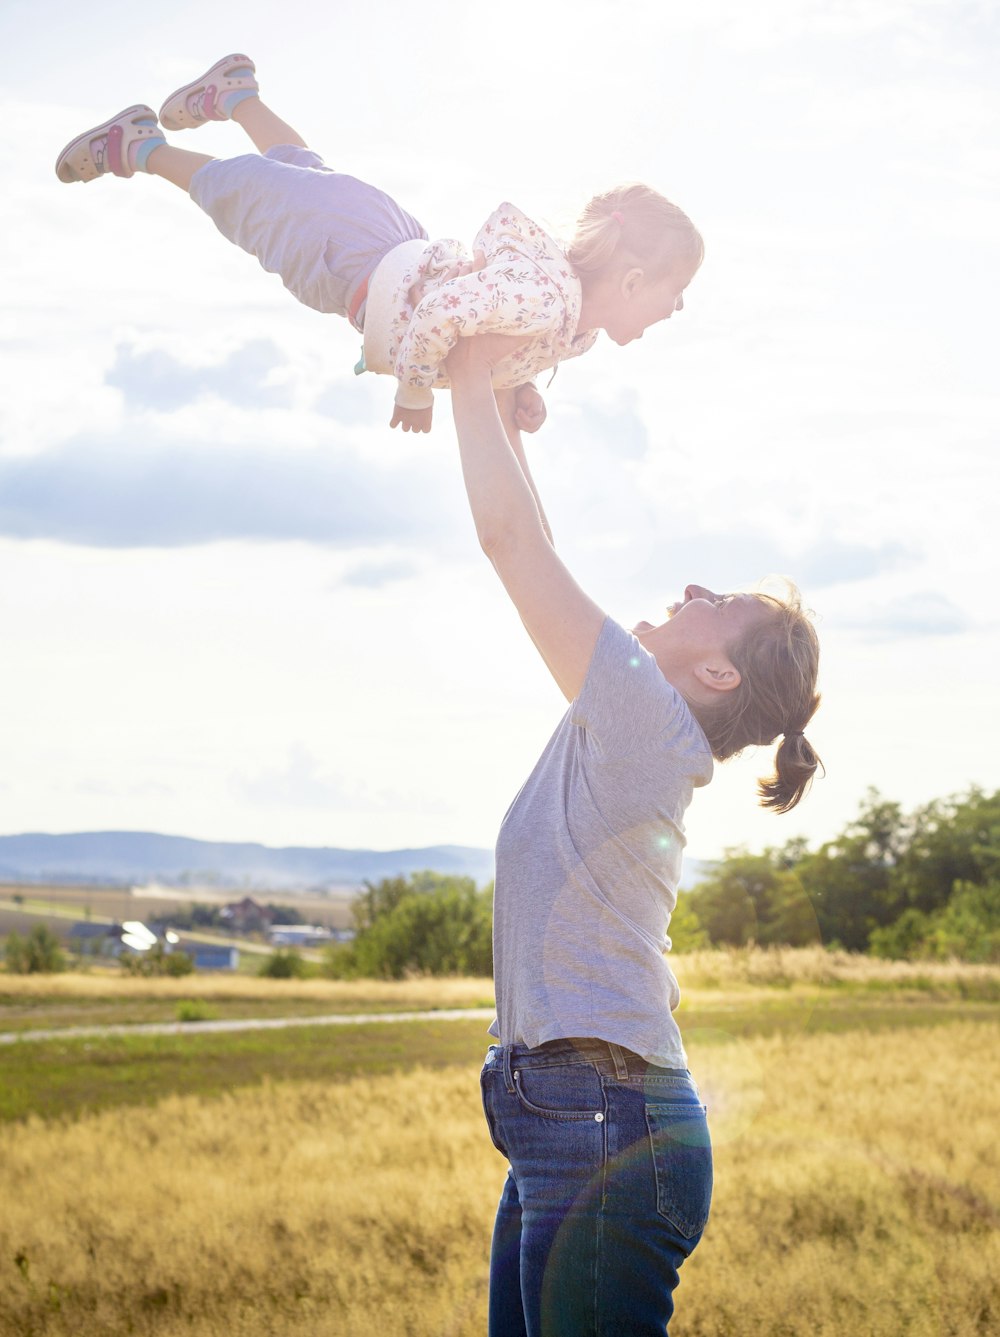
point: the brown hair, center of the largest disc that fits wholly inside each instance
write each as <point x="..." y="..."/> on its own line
<point x="634" y="222"/>
<point x="778" y="661"/>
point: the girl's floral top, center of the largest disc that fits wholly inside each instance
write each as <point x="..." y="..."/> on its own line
<point x="526" y="287"/>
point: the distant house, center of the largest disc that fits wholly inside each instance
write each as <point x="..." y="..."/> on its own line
<point x="299" y="935"/>
<point x="213" y="958"/>
<point x="246" y="916"/>
<point x="115" y="940"/>
<point x="90" y="939"/>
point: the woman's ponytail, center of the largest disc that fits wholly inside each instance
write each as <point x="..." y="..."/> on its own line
<point x="778" y="663"/>
<point x="795" y="764"/>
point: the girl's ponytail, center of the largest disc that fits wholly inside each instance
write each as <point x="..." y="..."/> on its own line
<point x="635" y="224"/>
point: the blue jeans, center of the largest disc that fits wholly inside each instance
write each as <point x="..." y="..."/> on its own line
<point x="608" y="1191"/>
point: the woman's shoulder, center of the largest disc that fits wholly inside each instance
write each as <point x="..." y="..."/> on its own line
<point x="626" y="704"/>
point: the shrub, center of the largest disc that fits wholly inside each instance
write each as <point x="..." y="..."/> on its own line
<point x="195" y="1009"/>
<point x="37" y="954"/>
<point x="284" y="964"/>
<point x="156" y="962"/>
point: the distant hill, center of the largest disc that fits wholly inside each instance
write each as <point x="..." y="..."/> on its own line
<point x="132" y="857"/>
<point x="129" y="857"/>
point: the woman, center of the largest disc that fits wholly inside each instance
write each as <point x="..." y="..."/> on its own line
<point x="587" y="1091"/>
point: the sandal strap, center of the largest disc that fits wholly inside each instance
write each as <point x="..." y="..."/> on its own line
<point x="209" y="105"/>
<point x="113" y="152"/>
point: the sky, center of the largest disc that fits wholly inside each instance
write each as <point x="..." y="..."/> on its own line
<point x="235" y="606"/>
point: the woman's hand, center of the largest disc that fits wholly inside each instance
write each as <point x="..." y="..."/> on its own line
<point x="424" y="285"/>
<point x="477" y="355"/>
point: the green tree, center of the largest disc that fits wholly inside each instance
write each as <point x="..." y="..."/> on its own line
<point x="756" y="898"/>
<point x="952" y="840"/>
<point x="39" y="953"/>
<point x="968" y="927"/>
<point x="429" y="924"/>
<point x="378" y="899"/>
<point x="686" y="932"/>
<point x="850" y="880"/>
<point x="904" y="939"/>
<point x="912" y="887"/>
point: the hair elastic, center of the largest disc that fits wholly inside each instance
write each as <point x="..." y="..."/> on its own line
<point x="616" y="214"/>
<point x="794" y="733"/>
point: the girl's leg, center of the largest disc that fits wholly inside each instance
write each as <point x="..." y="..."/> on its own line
<point x="266" y="129"/>
<point x="175" y="165"/>
<point x="228" y="92"/>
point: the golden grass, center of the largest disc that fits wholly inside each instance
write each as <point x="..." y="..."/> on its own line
<point x="753" y="967"/>
<point x="403" y="995"/>
<point x="785" y="966"/>
<point x="858" y="1191"/>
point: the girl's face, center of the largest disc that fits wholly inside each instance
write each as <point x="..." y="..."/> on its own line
<point x="642" y="302"/>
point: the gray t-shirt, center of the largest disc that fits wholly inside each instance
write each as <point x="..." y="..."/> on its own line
<point x="588" y="859"/>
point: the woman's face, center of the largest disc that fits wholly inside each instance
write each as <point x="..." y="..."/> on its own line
<point x="703" y="620"/>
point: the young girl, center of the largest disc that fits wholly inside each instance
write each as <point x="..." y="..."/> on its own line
<point x="342" y="246"/>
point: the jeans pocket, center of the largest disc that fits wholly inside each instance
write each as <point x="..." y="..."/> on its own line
<point x="682" y="1159"/>
<point x="567" y="1091"/>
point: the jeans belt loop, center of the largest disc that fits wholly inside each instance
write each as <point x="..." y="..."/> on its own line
<point x="508" y="1076"/>
<point x="621" y="1067"/>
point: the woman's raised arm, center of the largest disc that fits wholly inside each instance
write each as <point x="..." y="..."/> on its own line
<point x="560" y="618"/>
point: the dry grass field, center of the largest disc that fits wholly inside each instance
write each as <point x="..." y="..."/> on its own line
<point x="858" y="1173"/>
<point x="815" y="967"/>
<point x="858" y="1192"/>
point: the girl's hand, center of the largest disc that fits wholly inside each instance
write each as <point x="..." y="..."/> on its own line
<point x="412" y="420"/>
<point x="529" y="412"/>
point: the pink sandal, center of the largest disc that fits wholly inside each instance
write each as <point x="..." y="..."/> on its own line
<point x="107" y="147"/>
<point x="198" y="101"/>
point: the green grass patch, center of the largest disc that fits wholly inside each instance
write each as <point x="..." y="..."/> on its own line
<point x="64" y="1078"/>
<point x="56" y="1079"/>
<point x="764" y="1013"/>
<point x="195" y="1009"/>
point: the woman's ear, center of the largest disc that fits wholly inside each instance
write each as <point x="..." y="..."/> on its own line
<point x="718" y="675"/>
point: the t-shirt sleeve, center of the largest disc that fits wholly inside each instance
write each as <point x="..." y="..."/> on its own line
<point x="627" y="704"/>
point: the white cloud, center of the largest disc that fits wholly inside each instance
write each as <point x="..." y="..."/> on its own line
<point x="824" y="406"/>
<point x="140" y="491"/>
<point x="922" y="614"/>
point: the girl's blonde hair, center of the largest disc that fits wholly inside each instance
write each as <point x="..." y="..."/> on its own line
<point x="634" y="222"/>
<point x="778" y="661"/>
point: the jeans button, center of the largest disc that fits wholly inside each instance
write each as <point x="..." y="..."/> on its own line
<point x="598" y="1118"/>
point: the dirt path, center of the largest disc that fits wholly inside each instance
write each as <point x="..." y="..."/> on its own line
<point x="249" y="1024"/>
